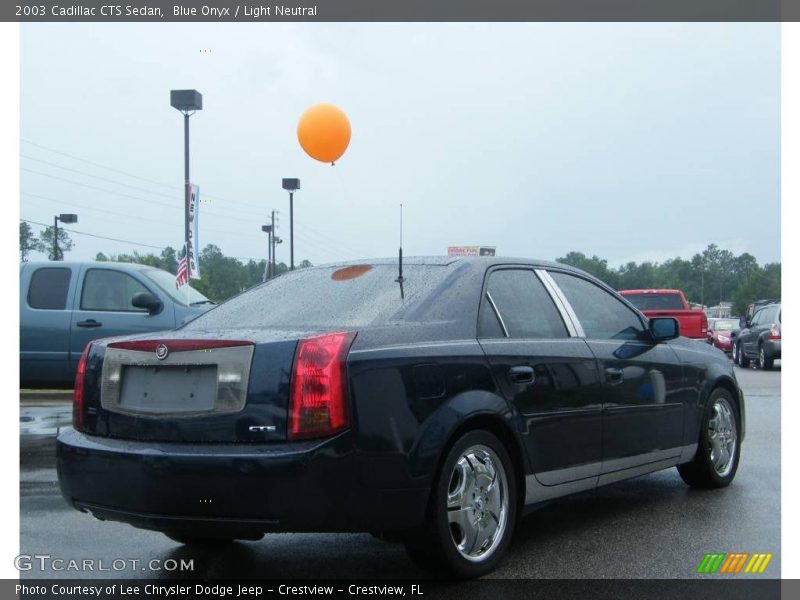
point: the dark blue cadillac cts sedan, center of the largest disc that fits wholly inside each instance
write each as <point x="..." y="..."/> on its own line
<point x="434" y="408"/>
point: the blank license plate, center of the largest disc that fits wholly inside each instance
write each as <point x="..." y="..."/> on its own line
<point x="168" y="389"/>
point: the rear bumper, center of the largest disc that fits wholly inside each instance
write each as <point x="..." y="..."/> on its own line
<point x="772" y="348"/>
<point x="241" y="489"/>
<point x="722" y="345"/>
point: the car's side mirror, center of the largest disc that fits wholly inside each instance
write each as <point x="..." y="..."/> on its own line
<point x="147" y="301"/>
<point x="664" y="328"/>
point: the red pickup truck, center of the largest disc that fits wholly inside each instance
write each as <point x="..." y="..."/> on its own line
<point x="670" y="303"/>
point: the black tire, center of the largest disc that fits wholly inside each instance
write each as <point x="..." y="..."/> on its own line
<point x="765" y="363"/>
<point x="435" y="548"/>
<point x="701" y="472"/>
<point x="741" y="359"/>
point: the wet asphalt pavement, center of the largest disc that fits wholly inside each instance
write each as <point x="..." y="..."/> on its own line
<point x="650" y="527"/>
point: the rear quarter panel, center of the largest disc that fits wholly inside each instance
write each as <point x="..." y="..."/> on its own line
<point x="407" y="400"/>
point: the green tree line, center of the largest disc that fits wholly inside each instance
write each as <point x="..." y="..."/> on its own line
<point x="709" y="277"/>
<point x="30" y="242"/>
<point x="220" y="276"/>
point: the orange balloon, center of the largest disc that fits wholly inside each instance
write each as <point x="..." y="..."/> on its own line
<point x="324" y="132"/>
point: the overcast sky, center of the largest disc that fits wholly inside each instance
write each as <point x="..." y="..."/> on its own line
<point x="632" y="142"/>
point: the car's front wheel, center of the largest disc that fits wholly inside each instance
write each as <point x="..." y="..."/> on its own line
<point x="717" y="458"/>
<point x="473" y="509"/>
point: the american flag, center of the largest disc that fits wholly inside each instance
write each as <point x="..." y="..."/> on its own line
<point x="182" y="276"/>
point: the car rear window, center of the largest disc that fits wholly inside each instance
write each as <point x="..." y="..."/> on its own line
<point x="772" y="314"/>
<point x="323" y="297"/>
<point x="655" y="301"/>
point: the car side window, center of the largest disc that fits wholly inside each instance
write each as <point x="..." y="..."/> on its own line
<point x="523" y="305"/>
<point x="48" y="288"/>
<point x="601" y="314"/>
<point x="104" y="289"/>
<point x="756" y="318"/>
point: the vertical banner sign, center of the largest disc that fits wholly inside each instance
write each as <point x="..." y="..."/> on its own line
<point x="194" y="222"/>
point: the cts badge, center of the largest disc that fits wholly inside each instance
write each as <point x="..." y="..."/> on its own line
<point x="161" y="351"/>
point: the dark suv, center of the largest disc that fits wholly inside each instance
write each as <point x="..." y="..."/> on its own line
<point x="760" y="338"/>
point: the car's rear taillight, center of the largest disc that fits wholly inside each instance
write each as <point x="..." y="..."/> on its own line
<point x="703" y="324"/>
<point x="775" y="332"/>
<point x="318" y="403"/>
<point x="77" y="394"/>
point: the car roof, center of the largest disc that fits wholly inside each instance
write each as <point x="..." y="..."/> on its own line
<point x="762" y="303"/>
<point x="476" y="263"/>
<point x="770" y="305"/>
<point x="482" y="261"/>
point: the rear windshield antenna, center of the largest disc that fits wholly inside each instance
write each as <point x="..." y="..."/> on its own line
<point x="400" y="278"/>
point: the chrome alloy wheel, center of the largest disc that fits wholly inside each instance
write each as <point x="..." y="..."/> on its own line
<point x="722" y="437"/>
<point x="477" y="503"/>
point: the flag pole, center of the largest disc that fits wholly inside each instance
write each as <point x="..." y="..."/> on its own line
<point x="188" y="274"/>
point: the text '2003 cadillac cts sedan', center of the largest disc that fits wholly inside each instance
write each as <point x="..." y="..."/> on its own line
<point x="434" y="408"/>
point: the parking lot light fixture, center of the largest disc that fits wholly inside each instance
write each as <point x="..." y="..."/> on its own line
<point x="188" y="102"/>
<point x="268" y="230"/>
<point x="291" y="185"/>
<point x="64" y="218"/>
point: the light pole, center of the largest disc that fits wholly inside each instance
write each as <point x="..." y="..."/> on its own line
<point x="291" y="186"/>
<point x="275" y="241"/>
<point x="188" y="102"/>
<point x="64" y="218"/>
<point x="272" y="239"/>
<point x="267" y="267"/>
<point x="702" y="283"/>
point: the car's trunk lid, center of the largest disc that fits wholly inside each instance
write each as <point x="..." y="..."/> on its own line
<point x="216" y="386"/>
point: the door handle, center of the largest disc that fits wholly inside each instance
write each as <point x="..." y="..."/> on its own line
<point x="521" y="374"/>
<point x="614" y="376"/>
<point x="89" y="323"/>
